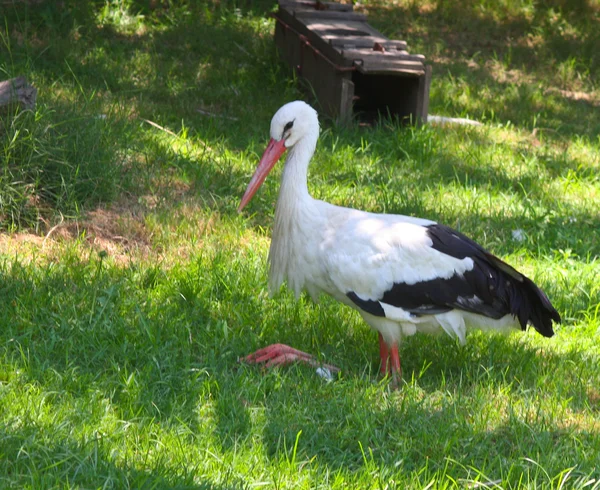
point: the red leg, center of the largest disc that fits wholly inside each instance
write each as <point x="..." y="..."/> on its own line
<point x="281" y="354"/>
<point x="396" y="367"/>
<point x="384" y="354"/>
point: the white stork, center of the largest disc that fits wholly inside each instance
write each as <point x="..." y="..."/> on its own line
<point x="402" y="274"/>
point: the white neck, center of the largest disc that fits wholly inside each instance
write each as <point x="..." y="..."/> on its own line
<point x="292" y="215"/>
<point x="294" y="187"/>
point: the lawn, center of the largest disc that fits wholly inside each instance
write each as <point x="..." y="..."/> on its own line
<point x="129" y="284"/>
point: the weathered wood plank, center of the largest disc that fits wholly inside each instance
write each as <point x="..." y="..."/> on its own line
<point x="385" y="59"/>
<point x="329" y="14"/>
<point x="368" y="42"/>
<point x="390" y="69"/>
<point x="292" y="4"/>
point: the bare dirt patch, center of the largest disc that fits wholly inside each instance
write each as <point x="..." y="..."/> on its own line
<point x="135" y="229"/>
<point x="119" y="230"/>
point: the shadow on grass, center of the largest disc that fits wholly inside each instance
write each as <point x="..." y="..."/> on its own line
<point x="404" y="165"/>
<point x="208" y="68"/>
<point x="437" y="422"/>
<point x="55" y="159"/>
<point x="202" y="56"/>
<point x="523" y="63"/>
<point x="29" y="459"/>
<point x="228" y="69"/>
<point x="164" y="350"/>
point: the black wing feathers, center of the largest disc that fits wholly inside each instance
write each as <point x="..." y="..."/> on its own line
<point x="492" y="288"/>
<point x="522" y="298"/>
<point x="370" y="306"/>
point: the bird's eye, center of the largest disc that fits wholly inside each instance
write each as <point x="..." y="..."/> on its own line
<point x="288" y="126"/>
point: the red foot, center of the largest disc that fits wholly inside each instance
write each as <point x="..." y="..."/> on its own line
<point x="281" y="354"/>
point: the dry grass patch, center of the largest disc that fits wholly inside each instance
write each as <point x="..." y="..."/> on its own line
<point x="119" y="231"/>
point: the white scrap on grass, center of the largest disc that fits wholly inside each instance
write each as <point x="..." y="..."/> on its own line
<point x="325" y="374"/>
<point x="519" y="235"/>
<point x="446" y="121"/>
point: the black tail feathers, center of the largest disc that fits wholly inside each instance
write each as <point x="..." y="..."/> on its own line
<point x="535" y="308"/>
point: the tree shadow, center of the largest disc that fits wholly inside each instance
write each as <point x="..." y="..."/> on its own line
<point x="168" y="86"/>
<point x="167" y="74"/>
<point x="436" y="418"/>
<point x="107" y="333"/>
<point x="403" y="172"/>
<point x="159" y="353"/>
<point x="520" y="61"/>
<point x="30" y="460"/>
<point x="173" y="77"/>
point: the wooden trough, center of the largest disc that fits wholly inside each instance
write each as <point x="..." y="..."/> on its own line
<point x="351" y="67"/>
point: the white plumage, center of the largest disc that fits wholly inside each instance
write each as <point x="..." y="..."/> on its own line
<point x="403" y="274"/>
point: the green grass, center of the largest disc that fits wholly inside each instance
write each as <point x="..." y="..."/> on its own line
<point x="129" y="285"/>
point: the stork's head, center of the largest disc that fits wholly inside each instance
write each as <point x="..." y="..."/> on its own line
<point x="293" y="123"/>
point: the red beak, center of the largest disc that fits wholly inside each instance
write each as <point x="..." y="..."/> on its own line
<point x="273" y="153"/>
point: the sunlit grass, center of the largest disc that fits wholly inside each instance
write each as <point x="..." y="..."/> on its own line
<point x="129" y="284"/>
